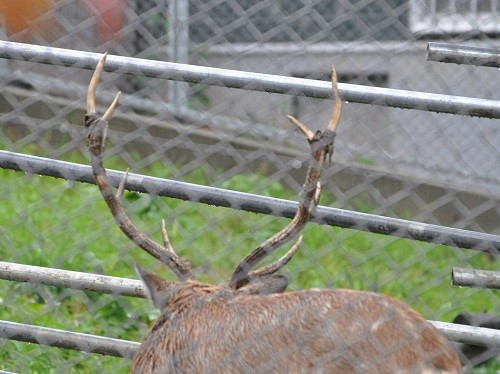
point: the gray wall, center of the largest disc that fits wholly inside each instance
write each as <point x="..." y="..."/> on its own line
<point x="465" y="147"/>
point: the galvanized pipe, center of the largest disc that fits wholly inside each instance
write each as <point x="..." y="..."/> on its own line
<point x="130" y="287"/>
<point x="256" y="203"/>
<point x="475" y="278"/>
<point x="123" y="348"/>
<point x="67" y="339"/>
<point x="469" y="334"/>
<point x="71" y="279"/>
<point x="253" y="81"/>
<point x="124" y="286"/>
<point x="460" y="54"/>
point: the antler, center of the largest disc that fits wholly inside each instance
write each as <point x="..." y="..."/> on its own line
<point x="96" y="138"/>
<point x="321" y="144"/>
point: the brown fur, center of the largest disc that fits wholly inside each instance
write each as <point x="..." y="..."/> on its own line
<point x="208" y="329"/>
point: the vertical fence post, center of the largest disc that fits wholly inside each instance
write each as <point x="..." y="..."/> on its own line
<point x="178" y="48"/>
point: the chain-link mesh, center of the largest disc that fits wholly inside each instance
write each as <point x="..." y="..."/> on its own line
<point x="433" y="168"/>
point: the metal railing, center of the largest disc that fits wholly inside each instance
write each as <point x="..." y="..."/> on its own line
<point x="438" y="172"/>
<point x="466" y="106"/>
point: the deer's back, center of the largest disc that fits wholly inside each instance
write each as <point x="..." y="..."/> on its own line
<point x="313" y="330"/>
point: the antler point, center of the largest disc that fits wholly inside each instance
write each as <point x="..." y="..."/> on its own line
<point x="303" y="128"/>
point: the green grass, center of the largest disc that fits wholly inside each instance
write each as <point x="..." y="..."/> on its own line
<point x="55" y="223"/>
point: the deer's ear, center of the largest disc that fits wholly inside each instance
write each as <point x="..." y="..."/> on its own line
<point x="158" y="289"/>
<point x="265" y="285"/>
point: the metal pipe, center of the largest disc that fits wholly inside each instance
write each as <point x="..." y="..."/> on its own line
<point x="67" y="339"/>
<point x="253" y="81"/>
<point x="178" y="47"/>
<point x="469" y="334"/>
<point x="257" y="204"/>
<point x="123" y="348"/>
<point x="475" y="278"/>
<point x="460" y="54"/>
<point x="124" y="286"/>
<point x="129" y="287"/>
<point x="71" y="279"/>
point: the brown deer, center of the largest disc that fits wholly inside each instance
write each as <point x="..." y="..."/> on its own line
<point x="248" y="325"/>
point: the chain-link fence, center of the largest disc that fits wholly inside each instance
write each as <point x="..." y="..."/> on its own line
<point x="418" y="165"/>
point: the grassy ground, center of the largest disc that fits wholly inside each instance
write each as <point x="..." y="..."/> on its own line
<point x="49" y="222"/>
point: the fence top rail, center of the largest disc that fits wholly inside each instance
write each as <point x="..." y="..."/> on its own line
<point x="253" y="81"/>
<point x="257" y="204"/>
<point x="460" y="54"/>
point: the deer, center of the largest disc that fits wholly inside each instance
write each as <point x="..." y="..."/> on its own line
<point x="249" y="324"/>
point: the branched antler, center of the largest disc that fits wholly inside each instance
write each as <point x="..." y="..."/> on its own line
<point x="321" y="143"/>
<point x="96" y="138"/>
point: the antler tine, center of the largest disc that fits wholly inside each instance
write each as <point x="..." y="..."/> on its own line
<point x="166" y="241"/>
<point x="321" y="143"/>
<point x="96" y="143"/>
<point x="109" y="113"/>
<point x="121" y="186"/>
<point x="275" y="266"/>
<point x="303" y="128"/>
<point x="94" y="81"/>
<point x="337" y="103"/>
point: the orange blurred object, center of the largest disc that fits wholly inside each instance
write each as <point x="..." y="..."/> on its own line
<point x="110" y="14"/>
<point x="31" y="19"/>
<point x="22" y="18"/>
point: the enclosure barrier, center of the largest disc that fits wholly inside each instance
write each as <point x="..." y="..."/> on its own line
<point x="253" y="81"/>
<point x="458" y="54"/>
<point x="67" y="339"/>
<point x="442" y="52"/>
<point x="129" y="287"/>
<point x="71" y="279"/>
<point x="236" y="200"/>
<point x="469" y="334"/>
<point x="257" y="204"/>
<point x="475" y="278"/>
<point x="123" y="348"/>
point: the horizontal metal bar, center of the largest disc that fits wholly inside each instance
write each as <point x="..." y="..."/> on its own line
<point x="71" y="279"/>
<point x="123" y="348"/>
<point x="460" y="54"/>
<point x="469" y="334"/>
<point x="324" y="48"/>
<point x="114" y="347"/>
<point x="128" y="287"/>
<point x="257" y="204"/>
<point x="67" y="339"/>
<point x="475" y="278"/>
<point x="253" y="81"/>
